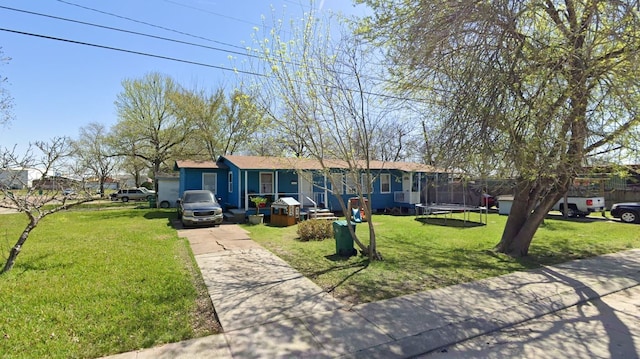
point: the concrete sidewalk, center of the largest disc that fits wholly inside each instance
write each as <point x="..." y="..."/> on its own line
<point x="269" y="310"/>
<point x="606" y="327"/>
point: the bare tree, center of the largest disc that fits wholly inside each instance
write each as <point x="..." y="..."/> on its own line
<point x="43" y="196"/>
<point x="95" y="154"/>
<point x="317" y="93"/>
<point x="6" y="101"/>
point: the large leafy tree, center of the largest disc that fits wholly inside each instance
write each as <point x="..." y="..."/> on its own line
<point x="323" y="93"/>
<point x="147" y="128"/>
<point x="539" y="87"/>
<point x="222" y="124"/>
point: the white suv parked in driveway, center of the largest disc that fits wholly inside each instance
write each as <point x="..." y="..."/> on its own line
<point x="133" y="194"/>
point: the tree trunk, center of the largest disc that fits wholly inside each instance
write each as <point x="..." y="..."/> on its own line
<point x="518" y="233"/>
<point x="523" y="223"/>
<point x="15" y="250"/>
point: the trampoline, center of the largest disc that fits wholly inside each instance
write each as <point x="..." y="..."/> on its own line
<point x="448" y="209"/>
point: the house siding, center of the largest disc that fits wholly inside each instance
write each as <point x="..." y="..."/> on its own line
<point x="286" y="184"/>
<point x="191" y="178"/>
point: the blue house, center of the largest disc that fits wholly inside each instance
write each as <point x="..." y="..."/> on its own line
<point x="395" y="186"/>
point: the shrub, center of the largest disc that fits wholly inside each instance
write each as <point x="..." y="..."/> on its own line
<point x="315" y="229"/>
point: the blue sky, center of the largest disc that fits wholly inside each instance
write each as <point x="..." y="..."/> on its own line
<point x="59" y="87"/>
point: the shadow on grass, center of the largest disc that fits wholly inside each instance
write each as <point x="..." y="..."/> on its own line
<point x="337" y="258"/>
<point x="450" y="222"/>
<point x="170" y="215"/>
<point x="594" y="217"/>
<point x="37" y="263"/>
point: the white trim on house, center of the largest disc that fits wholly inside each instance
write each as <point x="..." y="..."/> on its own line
<point x="263" y="185"/>
<point x="385" y="179"/>
<point x="275" y="185"/>
<point x="246" y="191"/>
<point x="367" y="187"/>
<point x="337" y="183"/>
<point x="351" y="182"/>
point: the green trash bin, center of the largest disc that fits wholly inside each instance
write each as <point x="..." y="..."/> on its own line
<point x="344" y="242"/>
<point x="152" y="202"/>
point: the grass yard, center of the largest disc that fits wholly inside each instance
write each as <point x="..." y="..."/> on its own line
<point x="89" y="283"/>
<point x="420" y="256"/>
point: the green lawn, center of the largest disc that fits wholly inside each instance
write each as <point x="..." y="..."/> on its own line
<point x="94" y="282"/>
<point x="420" y="256"/>
<point x="89" y="283"/>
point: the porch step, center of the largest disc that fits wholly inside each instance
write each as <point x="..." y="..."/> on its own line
<point x="234" y="215"/>
<point x="328" y="218"/>
<point x="323" y="213"/>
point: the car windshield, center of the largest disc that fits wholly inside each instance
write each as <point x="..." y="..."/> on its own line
<point x="199" y="197"/>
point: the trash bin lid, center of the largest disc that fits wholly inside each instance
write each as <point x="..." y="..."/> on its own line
<point x="343" y="222"/>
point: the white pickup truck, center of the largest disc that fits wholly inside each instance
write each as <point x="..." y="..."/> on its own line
<point x="580" y="206"/>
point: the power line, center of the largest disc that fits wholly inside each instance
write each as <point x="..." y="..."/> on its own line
<point x="212" y="13"/>
<point x="133" y="52"/>
<point x="138" y="33"/>
<point x="149" y="24"/>
<point x="129" y="32"/>
<point x="181" y="60"/>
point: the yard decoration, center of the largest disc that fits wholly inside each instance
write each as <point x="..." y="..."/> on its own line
<point x="259" y="202"/>
<point x="258" y="217"/>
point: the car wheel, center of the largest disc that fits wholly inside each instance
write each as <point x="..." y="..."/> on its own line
<point x="571" y="212"/>
<point x="628" y="217"/>
<point x="125" y="199"/>
<point x="164" y="204"/>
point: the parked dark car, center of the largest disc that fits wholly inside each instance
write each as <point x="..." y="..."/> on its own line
<point x="199" y="207"/>
<point x="488" y="201"/>
<point x="627" y="212"/>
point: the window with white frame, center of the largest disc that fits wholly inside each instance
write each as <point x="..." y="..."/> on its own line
<point x="266" y="182"/>
<point x="209" y="181"/>
<point x="230" y="182"/>
<point x="352" y="182"/>
<point x="337" y="180"/>
<point x="367" y="183"/>
<point x="385" y="183"/>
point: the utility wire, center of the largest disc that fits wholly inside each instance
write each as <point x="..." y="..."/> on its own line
<point x="180" y="32"/>
<point x="130" y="32"/>
<point x="138" y="33"/>
<point x="149" y="24"/>
<point x="212" y="13"/>
<point x="181" y="60"/>
<point x="133" y="52"/>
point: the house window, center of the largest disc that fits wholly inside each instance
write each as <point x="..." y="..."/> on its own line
<point x="385" y="183"/>
<point x="266" y="182"/>
<point x="230" y="182"/>
<point x="366" y="185"/>
<point x="209" y="181"/>
<point x="336" y="183"/>
<point x="352" y="182"/>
